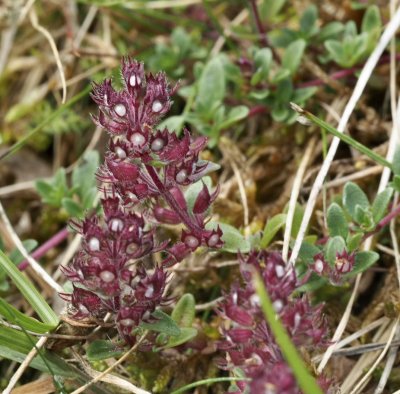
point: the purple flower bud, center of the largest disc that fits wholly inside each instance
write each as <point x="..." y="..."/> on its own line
<point x="123" y="171"/>
<point x="203" y="201"/>
<point x="133" y="74"/>
<point x="320" y="266"/>
<point x="239" y="335"/>
<point x="190" y="240"/>
<point x="239" y="315"/>
<point x="179" y="197"/>
<point x="179" y="251"/>
<point x="214" y="238"/>
<point x="167" y="216"/>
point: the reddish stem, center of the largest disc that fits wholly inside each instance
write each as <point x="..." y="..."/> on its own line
<point x="263" y="34"/>
<point x="391" y="215"/>
<point x="259" y="109"/>
<point x="343" y="73"/>
<point x="260" y="27"/>
<point x="43" y="249"/>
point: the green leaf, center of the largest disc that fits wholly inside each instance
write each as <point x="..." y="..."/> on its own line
<point x="334" y="246"/>
<point x="187" y="333"/>
<point x="308" y="251"/>
<point x="280" y="75"/>
<point x="234" y="241"/>
<point x="207" y="382"/>
<point x="297" y="219"/>
<point x="15" y="345"/>
<point x="184" y="311"/>
<point x="353" y="241"/>
<point x="14" y="316"/>
<point x="301" y="95"/>
<point x="314" y="283"/>
<point x="305" y="380"/>
<point x="262" y="65"/>
<point x="101" y="350"/>
<point x="381" y="203"/>
<point x="363" y="261"/>
<point x="270" y="9"/>
<point x="211" y="88"/>
<point x="292" y="56"/>
<point x="371" y="20"/>
<point x="337" y="223"/>
<point x="280" y="113"/>
<point x="192" y="192"/>
<point x="44" y="189"/>
<point x="271" y="228"/>
<point x="16" y="256"/>
<point x="72" y="207"/>
<point x="354" y="197"/>
<point x="335" y="49"/>
<point x="396" y="183"/>
<point x="308" y="21"/>
<point x="259" y="95"/>
<point x="396" y="161"/>
<point x="173" y="123"/>
<point x="34" y="298"/>
<point x="53" y="191"/>
<point x="330" y="30"/>
<point x="234" y="115"/>
<point x="83" y="174"/>
<point x="164" y="324"/>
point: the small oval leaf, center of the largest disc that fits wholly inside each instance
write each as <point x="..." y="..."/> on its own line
<point x="184" y="311"/>
<point x="101" y="350"/>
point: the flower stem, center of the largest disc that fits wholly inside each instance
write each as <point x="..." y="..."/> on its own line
<point x="43" y="249"/>
<point x="262" y="32"/>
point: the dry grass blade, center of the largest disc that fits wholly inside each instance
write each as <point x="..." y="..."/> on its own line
<point x="366" y="72"/>
<point x="293" y="197"/>
<point x="41" y="29"/>
<point x="365" y="378"/>
<point x="33" y="263"/>
<point x="103" y="375"/>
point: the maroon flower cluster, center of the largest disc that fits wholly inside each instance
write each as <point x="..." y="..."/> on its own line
<point x="335" y="273"/>
<point x="142" y="181"/>
<point x="248" y="341"/>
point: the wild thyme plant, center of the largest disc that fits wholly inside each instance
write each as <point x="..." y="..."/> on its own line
<point x="248" y="341"/>
<point x="142" y="182"/>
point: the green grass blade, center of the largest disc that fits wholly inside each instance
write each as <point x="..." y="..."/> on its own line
<point x="344" y="137"/>
<point x="27" y="289"/>
<point x="206" y="381"/>
<point x="15" y="345"/>
<point x="18" y="145"/>
<point x="14" y="316"/>
<point x="305" y="380"/>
